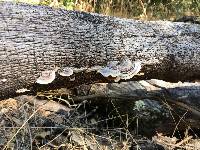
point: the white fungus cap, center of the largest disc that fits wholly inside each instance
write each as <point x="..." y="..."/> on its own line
<point x="111" y="70"/>
<point x="113" y="64"/>
<point x="66" y="72"/>
<point x="106" y="72"/>
<point x="125" y="69"/>
<point x="129" y="71"/>
<point x="46" y="77"/>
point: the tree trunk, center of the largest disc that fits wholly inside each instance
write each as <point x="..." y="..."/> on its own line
<point x="37" y="38"/>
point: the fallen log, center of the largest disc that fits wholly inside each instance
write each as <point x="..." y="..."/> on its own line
<point x="166" y="107"/>
<point x="185" y="95"/>
<point x="34" y="39"/>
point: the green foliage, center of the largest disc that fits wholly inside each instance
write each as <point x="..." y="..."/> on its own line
<point x="34" y="2"/>
<point x="149" y="9"/>
<point x="68" y="4"/>
<point x="141" y="9"/>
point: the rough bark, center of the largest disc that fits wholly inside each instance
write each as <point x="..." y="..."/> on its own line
<point x="37" y="38"/>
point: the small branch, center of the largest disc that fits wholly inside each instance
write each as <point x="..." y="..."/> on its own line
<point x="184" y="95"/>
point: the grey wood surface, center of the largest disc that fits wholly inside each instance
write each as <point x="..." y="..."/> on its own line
<point x="38" y="38"/>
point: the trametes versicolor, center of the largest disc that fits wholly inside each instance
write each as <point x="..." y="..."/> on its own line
<point x="124" y="69"/>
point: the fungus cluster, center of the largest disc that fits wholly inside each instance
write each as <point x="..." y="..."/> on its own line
<point x="47" y="77"/>
<point x="65" y="72"/>
<point x="125" y="69"/>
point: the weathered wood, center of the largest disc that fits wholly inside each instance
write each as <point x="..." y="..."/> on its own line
<point x="166" y="107"/>
<point x="37" y="38"/>
<point x="185" y="95"/>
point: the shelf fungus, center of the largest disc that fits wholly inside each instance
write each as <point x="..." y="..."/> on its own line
<point x="65" y="72"/>
<point x="124" y="69"/>
<point x="110" y="70"/>
<point x="129" y="69"/>
<point x="46" y="77"/>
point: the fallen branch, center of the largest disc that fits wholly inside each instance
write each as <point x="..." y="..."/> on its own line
<point x="35" y="40"/>
<point x="185" y="95"/>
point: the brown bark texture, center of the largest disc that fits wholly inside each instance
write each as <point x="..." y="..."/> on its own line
<point x="38" y="38"/>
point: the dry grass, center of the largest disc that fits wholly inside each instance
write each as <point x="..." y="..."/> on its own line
<point x="26" y="123"/>
<point x="140" y="9"/>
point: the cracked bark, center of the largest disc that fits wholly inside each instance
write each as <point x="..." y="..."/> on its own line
<point x="38" y="38"/>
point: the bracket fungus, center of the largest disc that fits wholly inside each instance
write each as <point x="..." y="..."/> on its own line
<point x="46" y="77"/>
<point x="124" y="69"/>
<point x="110" y="70"/>
<point x="65" y="72"/>
<point x="129" y="69"/>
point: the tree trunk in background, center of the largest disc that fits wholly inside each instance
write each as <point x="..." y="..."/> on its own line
<point x="37" y="38"/>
